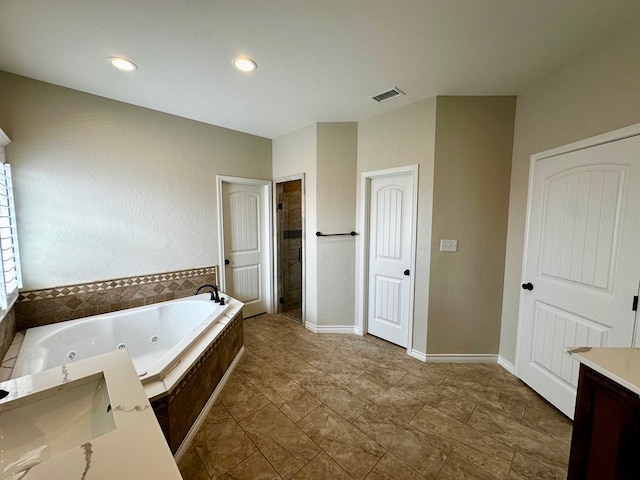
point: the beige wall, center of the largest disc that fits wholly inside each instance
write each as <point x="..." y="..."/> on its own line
<point x="336" y="204"/>
<point x="399" y="138"/>
<point x="106" y="190"/>
<point x="473" y="146"/>
<point x="293" y="154"/>
<point x="594" y="94"/>
<point x="326" y="154"/>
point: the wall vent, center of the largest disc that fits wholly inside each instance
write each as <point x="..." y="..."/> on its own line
<point x="388" y="95"/>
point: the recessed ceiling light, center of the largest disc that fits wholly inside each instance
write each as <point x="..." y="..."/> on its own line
<point x="244" y="64"/>
<point x="123" y="64"/>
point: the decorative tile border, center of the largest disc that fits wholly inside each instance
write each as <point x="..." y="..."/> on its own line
<point x="52" y="305"/>
<point x="56" y="292"/>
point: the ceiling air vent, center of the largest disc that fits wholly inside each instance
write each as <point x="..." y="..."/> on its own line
<point x="388" y="95"/>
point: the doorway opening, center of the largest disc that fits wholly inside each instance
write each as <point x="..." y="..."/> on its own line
<point x="387" y="252"/>
<point x="290" y="243"/>
<point x="245" y="242"/>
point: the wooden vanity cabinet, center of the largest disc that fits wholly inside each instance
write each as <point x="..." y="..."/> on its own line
<point x="606" y="430"/>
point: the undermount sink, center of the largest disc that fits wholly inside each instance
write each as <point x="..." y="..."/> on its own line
<point x="37" y="427"/>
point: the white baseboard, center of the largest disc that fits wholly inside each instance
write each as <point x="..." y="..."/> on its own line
<point x="461" y="358"/>
<point x="330" y="328"/>
<point x="416" y="354"/>
<point x="508" y="366"/>
<point x="453" y="358"/>
<point x="207" y="408"/>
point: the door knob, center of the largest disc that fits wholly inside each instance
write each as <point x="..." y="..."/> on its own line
<point x="527" y="286"/>
<point x="406" y="272"/>
<point x="226" y="262"/>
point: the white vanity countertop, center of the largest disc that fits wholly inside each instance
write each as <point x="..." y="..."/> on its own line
<point x="622" y="365"/>
<point x="136" y="448"/>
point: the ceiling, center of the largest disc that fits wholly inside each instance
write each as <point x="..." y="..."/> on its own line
<point x="318" y="60"/>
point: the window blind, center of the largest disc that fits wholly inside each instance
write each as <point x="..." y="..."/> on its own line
<point x="9" y="254"/>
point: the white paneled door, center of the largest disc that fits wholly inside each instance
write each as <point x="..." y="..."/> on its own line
<point x="391" y="217"/>
<point x="582" y="263"/>
<point x="246" y="248"/>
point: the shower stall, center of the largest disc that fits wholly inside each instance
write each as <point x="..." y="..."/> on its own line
<point x="290" y="234"/>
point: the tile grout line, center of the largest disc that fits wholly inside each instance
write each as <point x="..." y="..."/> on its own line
<point x="254" y="444"/>
<point x="320" y="449"/>
<point x="370" y="359"/>
<point x="442" y="466"/>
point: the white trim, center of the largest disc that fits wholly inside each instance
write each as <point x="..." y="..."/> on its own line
<point x="276" y="293"/>
<point x="268" y="234"/>
<point x="419" y="355"/>
<point x="3" y="313"/>
<point x="363" y="253"/>
<point x="330" y="328"/>
<point x="614" y="136"/>
<point x="508" y="366"/>
<point x="461" y="358"/>
<point x="620" y="134"/>
<point x="207" y="408"/>
<point x="4" y="139"/>
<point x="636" y="333"/>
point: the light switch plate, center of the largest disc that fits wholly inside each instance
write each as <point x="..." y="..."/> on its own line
<point x="448" y="245"/>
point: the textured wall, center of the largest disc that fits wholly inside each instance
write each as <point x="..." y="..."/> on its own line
<point x="594" y="94"/>
<point x="398" y="138"/>
<point x="473" y="146"/>
<point x="326" y="154"/>
<point x="293" y="154"/>
<point x="109" y="190"/>
<point x="336" y="205"/>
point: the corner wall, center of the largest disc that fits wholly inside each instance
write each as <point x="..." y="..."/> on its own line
<point x="326" y="154"/>
<point x="596" y="93"/>
<point x="109" y="190"/>
<point x="293" y="154"/>
<point x="336" y="199"/>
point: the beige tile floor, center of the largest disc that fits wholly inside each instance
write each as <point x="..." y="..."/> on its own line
<point x="326" y="406"/>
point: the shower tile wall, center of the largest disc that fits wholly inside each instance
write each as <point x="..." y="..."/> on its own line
<point x="290" y="196"/>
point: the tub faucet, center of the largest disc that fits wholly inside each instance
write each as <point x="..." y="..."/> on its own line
<point x="214" y="292"/>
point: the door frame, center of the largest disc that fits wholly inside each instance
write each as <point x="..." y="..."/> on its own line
<point x="276" y="294"/>
<point x="609" y="137"/>
<point x="266" y="236"/>
<point x="362" y="267"/>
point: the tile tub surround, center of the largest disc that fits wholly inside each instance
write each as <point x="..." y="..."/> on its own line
<point x="10" y="356"/>
<point x="333" y="406"/>
<point x="179" y="397"/>
<point x="179" y="408"/>
<point x="8" y="331"/>
<point x="135" y="449"/>
<point x="42" y="307"/>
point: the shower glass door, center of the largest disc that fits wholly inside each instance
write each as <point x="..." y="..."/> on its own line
<point x="289" y="204"/>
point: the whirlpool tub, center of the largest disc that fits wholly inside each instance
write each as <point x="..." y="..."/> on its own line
<point x="181" y="350"/>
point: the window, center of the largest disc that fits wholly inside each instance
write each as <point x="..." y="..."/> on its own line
<point x="11" y="279"/>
